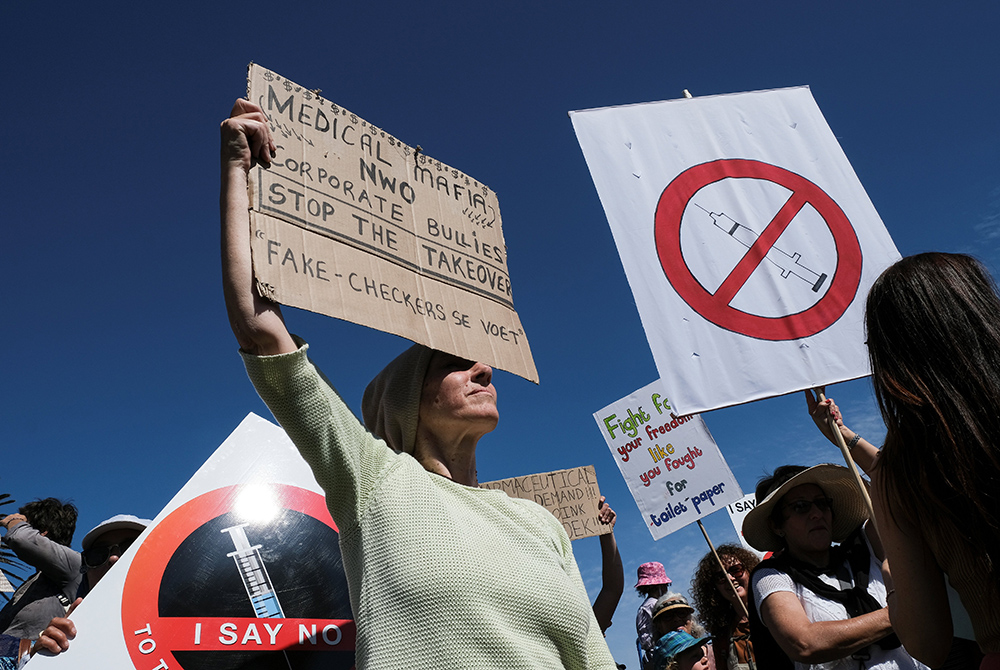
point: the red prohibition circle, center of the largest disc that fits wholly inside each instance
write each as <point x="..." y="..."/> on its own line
<point x="715" y="307"/>
<point x="150" y="638"/>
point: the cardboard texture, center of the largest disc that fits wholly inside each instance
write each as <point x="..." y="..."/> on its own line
<point x="350" y="222"/>
<point x="571" y="495"/>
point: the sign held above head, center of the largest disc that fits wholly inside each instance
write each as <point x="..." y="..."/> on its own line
<point x="747" y="239"/>
<point x="351" y="222"/>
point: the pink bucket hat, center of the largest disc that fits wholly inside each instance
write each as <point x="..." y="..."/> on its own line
<point x="652" y="574"/>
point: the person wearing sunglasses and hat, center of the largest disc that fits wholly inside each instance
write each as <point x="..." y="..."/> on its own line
<point x="102" y="547"/>
<point x="824" y="605"/>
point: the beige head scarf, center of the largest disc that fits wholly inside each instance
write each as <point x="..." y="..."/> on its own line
<point x="391" y="404"/>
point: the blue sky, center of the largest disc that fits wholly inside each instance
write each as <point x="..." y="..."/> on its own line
<point x="122" y="376"/>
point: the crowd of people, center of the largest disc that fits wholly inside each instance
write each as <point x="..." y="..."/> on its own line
<point x="839" y="589"/>
<point x="836" y="589"/>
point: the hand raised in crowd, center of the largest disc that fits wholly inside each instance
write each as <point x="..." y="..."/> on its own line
<point x="15" y="519"/>
<point x="605" y="514"/>
<point x="56" y="636"/>
<point x="246" y="136"/>
<point x="822" y="411"/>
<point x="863" y="452"/>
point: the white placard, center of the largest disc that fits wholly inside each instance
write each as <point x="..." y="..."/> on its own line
<point x="737" y="512"/>
<point x="747" y="239"/>
<point x="672" y="466"/>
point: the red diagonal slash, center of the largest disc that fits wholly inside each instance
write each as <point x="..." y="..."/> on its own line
<point x="715" y="307"/>
<point x="756" y="253"/>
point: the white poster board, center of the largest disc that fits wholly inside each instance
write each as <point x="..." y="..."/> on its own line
<point x="672" y="466"/>
<point x="747" y="239"/>
<point x="737" y="512"/>
<point x="221" y="572"/>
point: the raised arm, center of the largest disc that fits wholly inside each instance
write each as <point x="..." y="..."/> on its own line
<point x="56" y="561"/>
<point x="256" y="321"/>
<point x="612" y="573"/>
<point x="862" y="451"/>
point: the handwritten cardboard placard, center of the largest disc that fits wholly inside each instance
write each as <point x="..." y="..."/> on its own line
<point x="671" y="464"/>
<point x="571" y="495"/>
<point x="351" y="222"/>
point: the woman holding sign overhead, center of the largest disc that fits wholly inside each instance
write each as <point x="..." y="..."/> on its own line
<point x="442" y="574"/>
<point x="934" y="341"/>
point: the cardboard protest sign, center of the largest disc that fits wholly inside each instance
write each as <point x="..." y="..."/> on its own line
<point x="737" y="512"/>
<point x="241" y="569"/>
<point x="672" y="466"/>
<point x="571" y="495"/>
<point x="747" y="239"/>
<point x="350" y="222"/>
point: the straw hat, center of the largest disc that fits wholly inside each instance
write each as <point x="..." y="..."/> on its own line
<point x="671" y="602"/>
<point x="849" y="509"/>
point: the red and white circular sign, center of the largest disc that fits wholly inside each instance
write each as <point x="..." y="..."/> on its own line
<point x="716" y="306"/>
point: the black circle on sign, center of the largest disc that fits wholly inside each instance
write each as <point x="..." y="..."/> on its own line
<point x="302" y="557"/>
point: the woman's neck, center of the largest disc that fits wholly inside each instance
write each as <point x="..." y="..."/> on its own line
<point x="819" y="558"/>
<point x="455" y="460"/>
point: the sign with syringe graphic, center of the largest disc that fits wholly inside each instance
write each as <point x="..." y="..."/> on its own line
<point x="747" y="239"/>
<point x="241" y="569"/>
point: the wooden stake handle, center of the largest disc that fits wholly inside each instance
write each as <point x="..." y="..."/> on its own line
<point x="850" y="462"/>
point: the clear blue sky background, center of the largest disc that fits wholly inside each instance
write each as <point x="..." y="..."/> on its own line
<point x="121" y="375"/>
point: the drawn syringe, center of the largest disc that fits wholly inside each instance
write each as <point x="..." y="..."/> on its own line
<point x="788" y="263"/>
<point x="255" y="578"/>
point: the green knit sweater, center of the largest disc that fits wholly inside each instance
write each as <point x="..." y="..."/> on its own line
<point x="440" y="575"/>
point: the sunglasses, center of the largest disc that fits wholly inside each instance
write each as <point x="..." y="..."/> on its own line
<point x="802" y="507"/>
<point x="95" y="557"/>
<point x="736" y="570"/>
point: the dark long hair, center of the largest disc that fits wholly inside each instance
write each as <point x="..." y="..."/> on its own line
<point x="934" y="340"/>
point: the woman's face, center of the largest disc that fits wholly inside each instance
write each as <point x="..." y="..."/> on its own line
<point x="735" y="574"/>
<point x="458" y="395"/>
<point x="807" y="520"/>
<point x="695" y="658"/>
